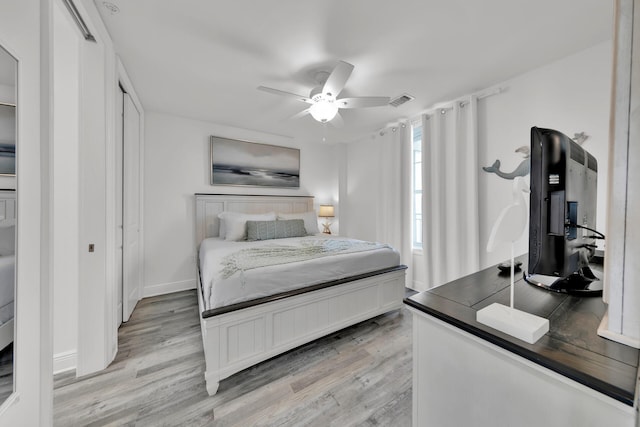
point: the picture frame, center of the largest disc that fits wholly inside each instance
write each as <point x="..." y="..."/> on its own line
<point x="244" y="163"/>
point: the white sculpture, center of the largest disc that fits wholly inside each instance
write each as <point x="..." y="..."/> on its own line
<point x="508" y="228"/>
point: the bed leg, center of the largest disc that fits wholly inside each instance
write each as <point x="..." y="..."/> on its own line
<point x="212" y="385"/>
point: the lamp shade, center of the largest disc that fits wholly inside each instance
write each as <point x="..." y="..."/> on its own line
<point x="323" y="110"/>
<point x="326" y="211"/>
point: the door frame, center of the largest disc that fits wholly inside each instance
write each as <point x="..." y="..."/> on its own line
<point x="119" y="200"/>
<point x="130" y="210"/>
<point x="127" y="86"/>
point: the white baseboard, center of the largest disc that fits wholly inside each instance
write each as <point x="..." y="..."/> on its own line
<point x="65" y="361"/>
<point x="167" y="288"/>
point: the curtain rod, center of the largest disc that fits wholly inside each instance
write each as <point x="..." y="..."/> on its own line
<point x="443" y="107"/>
<point x="485" y="94"/>
<point x="73" y="10"/>
<point x="463" y="100"/>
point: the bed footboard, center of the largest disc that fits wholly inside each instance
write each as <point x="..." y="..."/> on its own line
<point x="239" y="339"/>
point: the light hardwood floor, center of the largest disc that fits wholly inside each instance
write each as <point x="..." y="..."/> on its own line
<point x="360" y="376"/>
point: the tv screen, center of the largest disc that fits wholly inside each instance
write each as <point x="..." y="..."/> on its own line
<point x="562" y="214"/>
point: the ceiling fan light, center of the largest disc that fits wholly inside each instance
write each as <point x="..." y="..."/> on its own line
<point x="323" y="110"/>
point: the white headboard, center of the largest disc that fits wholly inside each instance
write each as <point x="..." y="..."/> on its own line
<point x="208" y="206"/>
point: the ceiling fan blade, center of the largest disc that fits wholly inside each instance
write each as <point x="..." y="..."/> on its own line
<point x="300" y="114"/>
<point x="363" y="102"/>
<point x="287" y="94"/>
<point x="337" y="79"/>
<point x="337" y="121"/>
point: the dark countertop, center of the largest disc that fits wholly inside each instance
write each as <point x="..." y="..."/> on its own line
<point x="572" y="346"/>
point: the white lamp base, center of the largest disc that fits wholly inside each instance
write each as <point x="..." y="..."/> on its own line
<point x="524" y="326"/>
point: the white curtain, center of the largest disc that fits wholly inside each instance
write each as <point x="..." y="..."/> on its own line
<point x="450" y="192"/>
<point x="393" y="190"/>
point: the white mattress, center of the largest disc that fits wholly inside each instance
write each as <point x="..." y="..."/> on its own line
<point x="264" y="281"/>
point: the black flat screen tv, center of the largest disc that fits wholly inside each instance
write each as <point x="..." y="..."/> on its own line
<point x="562" y="214"/>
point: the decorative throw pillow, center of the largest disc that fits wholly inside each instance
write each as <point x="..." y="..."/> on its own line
<point x="265" y="230"/>
<point x="233" y="224"/>
<point x="310" y="220"/>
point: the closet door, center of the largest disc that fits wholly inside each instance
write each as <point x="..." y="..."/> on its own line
<point x="131" y="271"/>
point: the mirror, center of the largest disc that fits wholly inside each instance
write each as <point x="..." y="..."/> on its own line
<point x="8" y="90"/>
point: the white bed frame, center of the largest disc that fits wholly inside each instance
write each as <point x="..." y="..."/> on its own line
<point x="7" y="212"/>
<point x="6" y="333"/>
<point x="235" y="340"/>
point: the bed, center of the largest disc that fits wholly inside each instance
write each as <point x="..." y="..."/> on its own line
<point x="250" y="320"/>
<point x="7" y="266"/>
<point x="7" y="277"/>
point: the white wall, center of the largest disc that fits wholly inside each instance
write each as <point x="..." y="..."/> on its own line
<point x="65" y="171"/>
<point x="570" y="95"/>
<point x="176" y="165"/>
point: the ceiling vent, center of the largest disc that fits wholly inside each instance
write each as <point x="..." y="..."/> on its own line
<point x="398" y="101"/>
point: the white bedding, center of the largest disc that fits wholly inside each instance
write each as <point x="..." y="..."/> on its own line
<point x="249" y="284"/>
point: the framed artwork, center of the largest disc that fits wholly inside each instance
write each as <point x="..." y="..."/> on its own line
<point x="235" y="162"/>
<point x="7" y="140"/>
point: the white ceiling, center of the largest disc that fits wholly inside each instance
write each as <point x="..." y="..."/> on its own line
<point x="204" y="59"/>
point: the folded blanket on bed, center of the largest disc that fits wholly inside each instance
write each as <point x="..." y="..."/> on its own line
<point x="250" y="258"/>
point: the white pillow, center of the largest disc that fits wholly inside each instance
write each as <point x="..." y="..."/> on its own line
<point x="233" y="225"/>
<point x="310" y="220"/>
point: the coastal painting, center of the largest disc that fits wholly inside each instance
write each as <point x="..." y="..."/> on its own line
<point x="236" y="162"/>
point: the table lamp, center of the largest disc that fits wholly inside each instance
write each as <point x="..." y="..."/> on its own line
<point x="326" y="211"/>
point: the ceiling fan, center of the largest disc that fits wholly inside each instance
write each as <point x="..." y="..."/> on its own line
<point x="324" y="98"/>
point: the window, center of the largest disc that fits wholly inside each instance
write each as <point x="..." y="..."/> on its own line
<point x="416" y="185"/>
